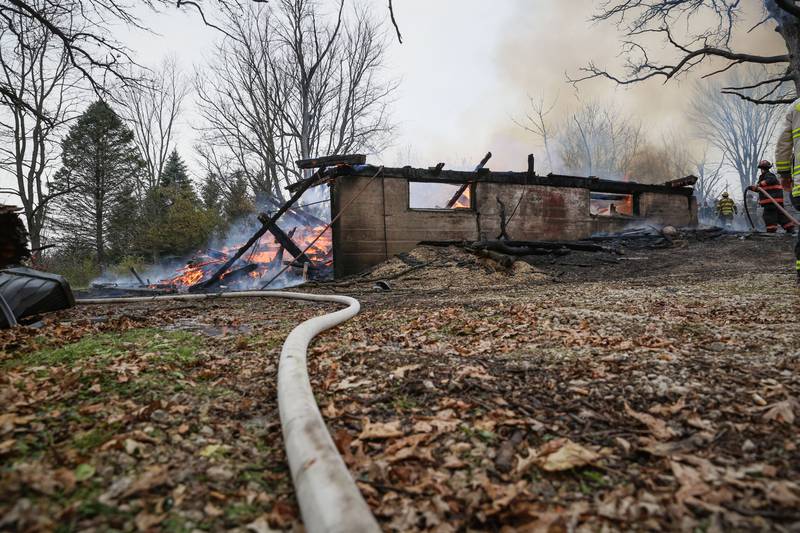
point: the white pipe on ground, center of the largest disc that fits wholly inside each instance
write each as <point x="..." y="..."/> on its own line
<point x="329" y="499"/>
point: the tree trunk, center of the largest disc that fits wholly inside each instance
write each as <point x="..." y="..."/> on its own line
<point x="790" y="31"/>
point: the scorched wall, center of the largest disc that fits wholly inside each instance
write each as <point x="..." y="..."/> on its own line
<point x="379" y="222"/>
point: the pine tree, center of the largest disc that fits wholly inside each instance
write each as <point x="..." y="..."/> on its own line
<point x="211" y="193"/>
<point x="175" y="173"/>
<point x="100" y="164"/>
<point x="237" y="202"/>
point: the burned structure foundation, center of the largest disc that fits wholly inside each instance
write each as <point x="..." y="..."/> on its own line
<point x="379" y="213"/>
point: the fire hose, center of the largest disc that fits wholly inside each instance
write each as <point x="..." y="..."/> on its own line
<point x="777" y="204"/>
<point x="329" y="499"/>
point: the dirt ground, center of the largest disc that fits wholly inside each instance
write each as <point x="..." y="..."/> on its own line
<point x="657" y="389"/>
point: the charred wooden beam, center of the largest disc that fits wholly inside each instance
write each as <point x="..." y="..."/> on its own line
<point x="213" y="280"/>
<point x="284" y="240"/>
<point x="461" y="190"/>
<point x="278" y="259"/>
<point x="332" y="161"/>
<point x="305" y="218"/>
<point x="437" y="169"/>
<point x="138" y="277"/>
<point x="688" y="181"/>
<point x="518" y="178"/>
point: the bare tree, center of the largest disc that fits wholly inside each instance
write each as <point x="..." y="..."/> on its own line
<point x="599" y="140"/>
<point x="741" y="130"/>
<point x="152" y="109"/>
<point x="536" y="122"/>
<point x="661" y="160"/>
<point x="286" y="85"/>
<point x="40" y="77"/>
<point x="675" y="22"/>
<point x="85" y="30"/>
<point x="709" y="177"/>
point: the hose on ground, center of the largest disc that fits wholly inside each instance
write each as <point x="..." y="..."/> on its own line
<point x="329" y="499"/>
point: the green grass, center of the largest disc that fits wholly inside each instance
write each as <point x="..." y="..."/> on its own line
<point x="241" y="512"/>
<point x="94" y="438"/>
<point x="157" y="346"/>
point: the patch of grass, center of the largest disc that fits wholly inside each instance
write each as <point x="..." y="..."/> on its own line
<point x="157" y="346"/>
<point x="241" y="512"/>
<point x="175" y="524"/>
<point x="89" y="440"/>
<point x="404" y="403"/>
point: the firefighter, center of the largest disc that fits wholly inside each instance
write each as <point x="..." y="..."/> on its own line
<point x="787" y="163"/>
<point x="769" y="183"/>
<point x="726" y="208"/>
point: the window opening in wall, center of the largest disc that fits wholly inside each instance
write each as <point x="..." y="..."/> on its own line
<point x="612" y="205"/>
<point x="442" y="196"/>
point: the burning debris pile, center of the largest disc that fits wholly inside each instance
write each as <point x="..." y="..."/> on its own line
<point x="299" y="248"/>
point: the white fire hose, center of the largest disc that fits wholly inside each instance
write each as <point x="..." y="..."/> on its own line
<point x="329" y="499"/>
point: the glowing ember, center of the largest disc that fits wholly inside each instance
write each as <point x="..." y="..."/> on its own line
<point x="264" y="254"/>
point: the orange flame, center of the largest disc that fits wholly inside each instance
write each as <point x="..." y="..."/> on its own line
<point x="264" y="253"/>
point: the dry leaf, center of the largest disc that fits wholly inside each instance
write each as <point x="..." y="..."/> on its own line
<point x="565" y="455"/>
<point x="381" y="430"/>
<point x="211" y="510"/>
<point x="784" y="493"/>
<point x="401" y="372"/>
<point x="781" y="412"/>
<point x="662" y="410"/>
<point x="657" y="427"/>
<point x="6" y="446"/>
<point x="146" y="521"/>
<point x="153" y="476"/>
<point x="260" y="525"/>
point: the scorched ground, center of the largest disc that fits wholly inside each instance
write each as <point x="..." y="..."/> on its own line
<point x="659" y="391"/>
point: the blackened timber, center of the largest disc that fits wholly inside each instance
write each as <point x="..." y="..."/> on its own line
<point x="257" y="236"/>
<point x="461" y="190"/>
<point x="278" y="259"/>
<point x="688" y="181"/>
<point x="284" y="240"/>
<point x="519" y="178"/>
<point x="332" y="161"/>
<point x="138" y="277"/>
<point x="318" y="178"/>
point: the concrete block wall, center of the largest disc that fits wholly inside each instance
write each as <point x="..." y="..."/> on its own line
<point x="379" y="223"/>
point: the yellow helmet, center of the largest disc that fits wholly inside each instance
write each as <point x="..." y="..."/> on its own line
<point x="725" y="195"/>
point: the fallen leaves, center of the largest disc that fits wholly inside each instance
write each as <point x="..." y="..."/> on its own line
<point x="381" y="430"/>
<point x="563" y="454"/>
<point x="657" y="427"/>
<point x="557" y="455"/>
<point x="781" y="412"/>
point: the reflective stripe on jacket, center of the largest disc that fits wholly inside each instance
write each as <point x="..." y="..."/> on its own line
<point x="726" y="207"/>
<point x="787" y="151"/>
<point x="772" y="185"/>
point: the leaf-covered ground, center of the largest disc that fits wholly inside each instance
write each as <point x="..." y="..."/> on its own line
<point x="659" y="392"/>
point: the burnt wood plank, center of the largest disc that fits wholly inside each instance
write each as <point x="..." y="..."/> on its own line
<point x="332" y="161"/>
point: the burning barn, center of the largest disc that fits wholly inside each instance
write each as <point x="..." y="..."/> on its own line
<point x="380" y="211"/>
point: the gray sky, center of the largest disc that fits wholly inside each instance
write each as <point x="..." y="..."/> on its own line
<point x="466" y="69"/>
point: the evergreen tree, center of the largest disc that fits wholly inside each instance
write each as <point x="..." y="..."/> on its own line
<point x="211" y="193"/>
<point x="181" y="224"/>
<point x="175" y="173"/>
<point x="124" y="224"/>
<point x="100" y="163"/>
<point x="237" y="203"/>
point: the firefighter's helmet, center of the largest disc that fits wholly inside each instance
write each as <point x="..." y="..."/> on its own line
<point x="766" y="165"/>
<point x="725" y="195"/>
